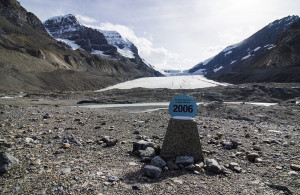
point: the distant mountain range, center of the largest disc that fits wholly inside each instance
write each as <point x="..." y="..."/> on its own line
<point x="31" y="60"/>
<point x="270" y="55"/>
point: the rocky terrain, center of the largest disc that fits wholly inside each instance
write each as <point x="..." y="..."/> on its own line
<point x="63" y="148"/>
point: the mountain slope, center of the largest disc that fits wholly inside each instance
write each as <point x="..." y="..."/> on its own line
<point x="31" y="60"/>
<point x="249" y="60"/>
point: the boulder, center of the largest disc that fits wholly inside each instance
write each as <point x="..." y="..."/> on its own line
<point x="158" y="161"/>
<point x="152" y="171"/>
<point x="7" y="161"/>
<point x="213" y="166"/>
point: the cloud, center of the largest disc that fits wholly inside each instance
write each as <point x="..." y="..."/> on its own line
<point x="85" y="19"/>
<point x="159" y="57"/>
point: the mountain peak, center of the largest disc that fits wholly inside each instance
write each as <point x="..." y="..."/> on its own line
<point x="286" y="20"/>
<point x="63" y="20"/>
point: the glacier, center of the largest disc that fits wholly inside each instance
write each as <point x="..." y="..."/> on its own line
<point x="171" y="82"/>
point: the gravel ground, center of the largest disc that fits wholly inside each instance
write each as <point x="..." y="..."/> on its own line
<point x="60" y="149"/>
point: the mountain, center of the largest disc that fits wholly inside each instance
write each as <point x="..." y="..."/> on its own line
<point x="31" y="60"/>
<point x="269" y="55"/>
<point x="104" y="43"/>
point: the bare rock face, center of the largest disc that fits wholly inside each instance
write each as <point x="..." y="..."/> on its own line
<point x="12" y="10"/>
<point x="287" y="50"/>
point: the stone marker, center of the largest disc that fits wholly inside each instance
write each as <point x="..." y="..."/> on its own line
<point x="182" y="139"/>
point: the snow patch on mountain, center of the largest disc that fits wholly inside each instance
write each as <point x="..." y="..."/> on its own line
<point x="217" y="69"/>
<point x="100" y="53"/>
<point x="72" y="44"/>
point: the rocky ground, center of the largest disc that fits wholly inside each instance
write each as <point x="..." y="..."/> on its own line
<point x="61" y="150"/>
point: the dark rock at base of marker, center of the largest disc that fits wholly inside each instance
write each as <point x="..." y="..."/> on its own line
<point x="152" y="171"/>
<point x="171" y="165"/>
<point x="158" y="161"/>
<point x="148" y="152"/>
<point x="190" y="167"/>
<point x="184" y="160"/>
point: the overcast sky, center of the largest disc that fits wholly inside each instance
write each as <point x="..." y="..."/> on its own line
<point x="172" y="34"/>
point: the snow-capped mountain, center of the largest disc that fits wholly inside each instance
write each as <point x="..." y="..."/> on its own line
<point x="111" y="44"/>
<point x="247" y="54"/>
<point x="67" y="29"/>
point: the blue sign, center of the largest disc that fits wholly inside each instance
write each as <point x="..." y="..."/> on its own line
<point x="183" y="106"/>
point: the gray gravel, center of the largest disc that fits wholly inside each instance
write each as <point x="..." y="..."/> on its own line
<point x="61" y="149"/>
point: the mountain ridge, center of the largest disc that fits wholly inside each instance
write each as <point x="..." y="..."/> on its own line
<point x="246" y="55"/>
<point x="31" y="60"/>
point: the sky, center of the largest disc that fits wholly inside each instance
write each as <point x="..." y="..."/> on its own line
<point x="172" y="34"/>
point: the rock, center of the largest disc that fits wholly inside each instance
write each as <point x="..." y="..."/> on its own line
<point x="190" y="167"/>
<point x="292" y="173"/>
<point x="35" y="162"/>
<point x="28" y="140"/>
<point x="219" y="135"/>
<point x="295" y="167"/>
<point x="136" y="186"/>
<point x="227" y="145"/>
<point x="148" y="152"/>
<point x="111" y="142"/>
<point x="177" y="181"/>
<point x="152" y="171"/>
<point x="237" y="169"/>
<point x="213" y="166"/>
<point x="105" y="138"/>
<point x="66" y="145"/>
<point x="199" y="166"/>
<point x="112" y="178"/>
<point x="158" y="161"/>
<point x="171" y="165"/>
<point x="278" y="167"/>
<point x="136" y="132"/>
<point x="65" y="170"/>
<point x="230" y="145"/>
<point x="256" y="147"/>
<point x="184" y="160"/>
<point x="280" y="187"/>
<point x="71" y="140"/>
<point x="252" y="156"/>
<point x="142" y="145"/>
<point x="46" y="116"/>
<point x="258" y="160"/>
<point x="132" y="163"/>
<point x="285" y="144"/>
<point x="7" y="161"/>
<point x="89" y="141"/>
<point x="232" y="165"/>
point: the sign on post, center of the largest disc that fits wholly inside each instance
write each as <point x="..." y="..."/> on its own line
<point x="183" y="106"/>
